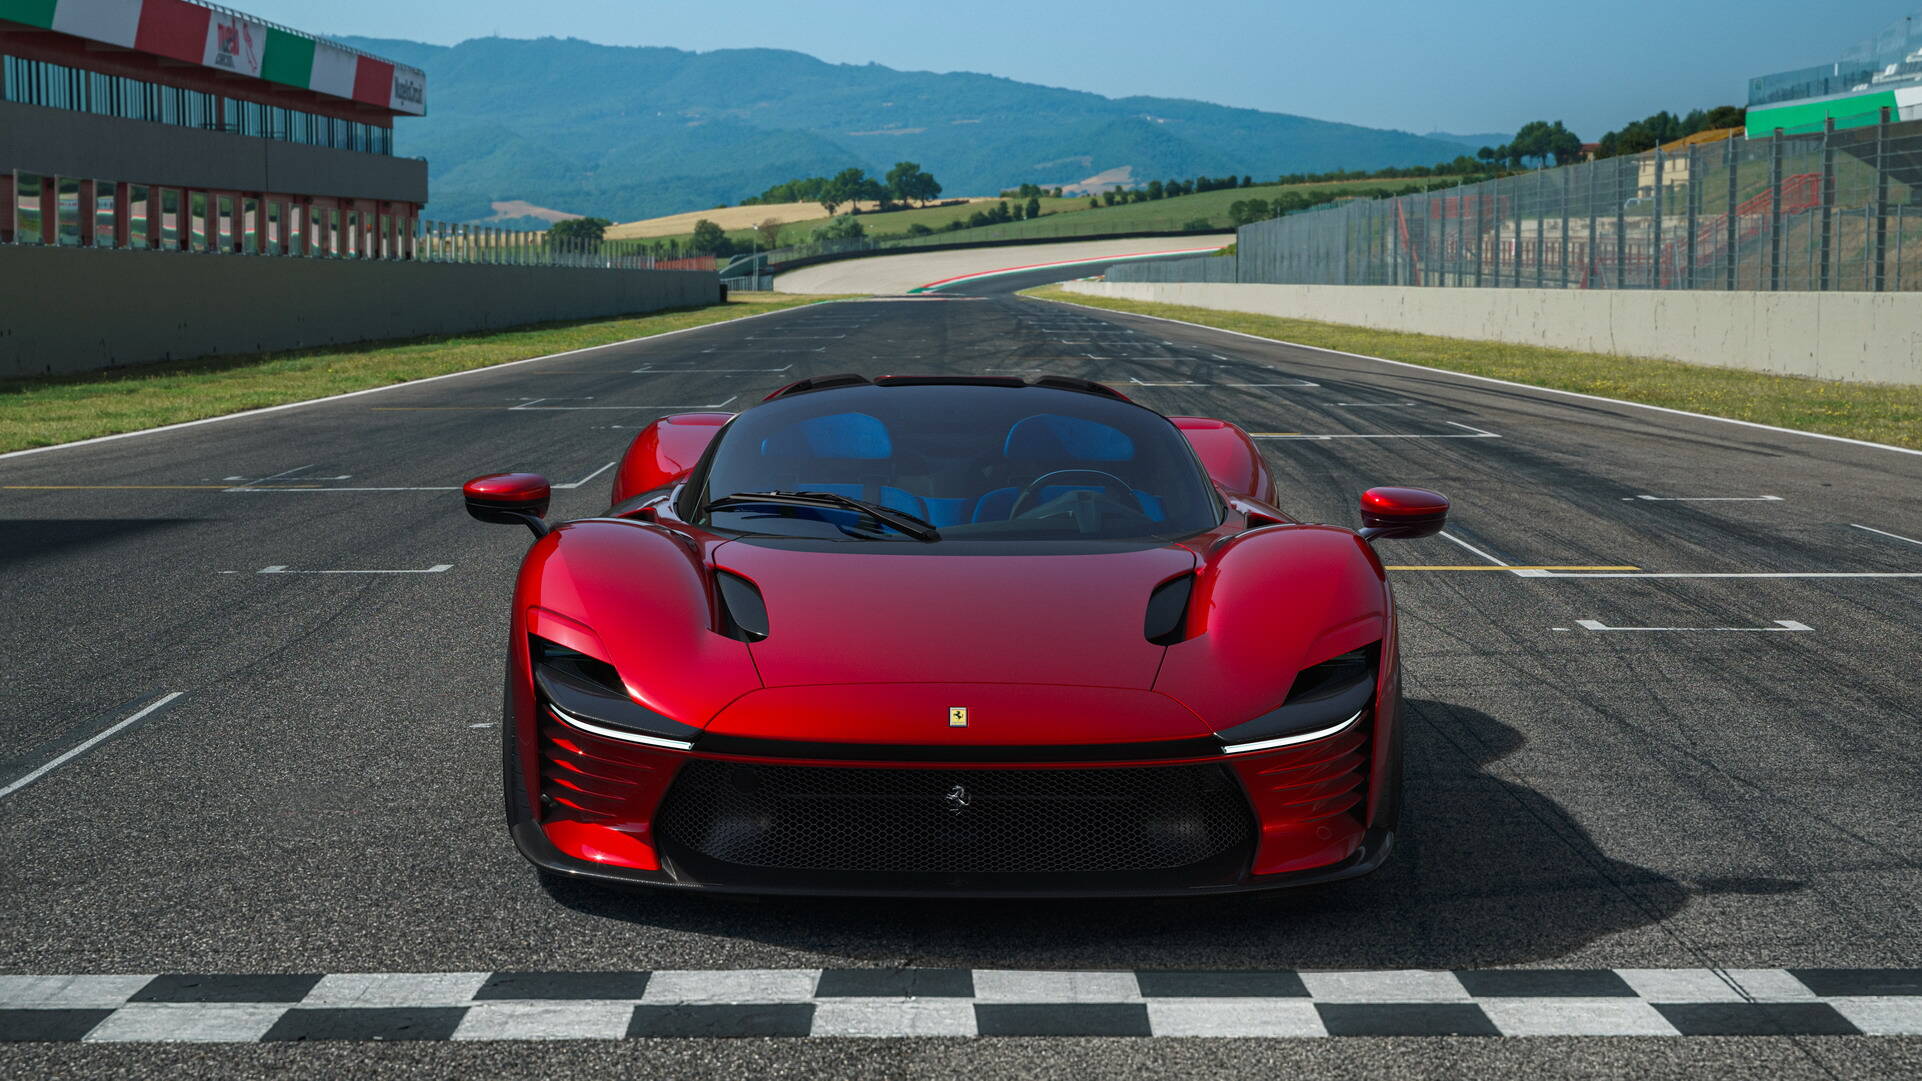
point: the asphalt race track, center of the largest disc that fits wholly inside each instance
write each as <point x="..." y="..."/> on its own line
<point x="1686" y="787"/>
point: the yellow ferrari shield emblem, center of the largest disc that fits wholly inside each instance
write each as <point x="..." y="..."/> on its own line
<point x="957" y="717"/>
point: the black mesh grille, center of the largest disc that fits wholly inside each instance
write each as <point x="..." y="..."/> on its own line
<point x="954" y="821"/>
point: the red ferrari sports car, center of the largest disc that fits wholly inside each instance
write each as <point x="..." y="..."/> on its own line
<point x="951" y="636"/>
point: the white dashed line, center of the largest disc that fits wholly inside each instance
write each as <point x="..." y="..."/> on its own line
<point x="70" y="754"/>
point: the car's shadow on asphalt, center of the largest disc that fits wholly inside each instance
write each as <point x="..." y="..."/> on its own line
<point x="1487" y="872"/>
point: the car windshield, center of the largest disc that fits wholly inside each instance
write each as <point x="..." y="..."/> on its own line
<point x="975" y="463"/>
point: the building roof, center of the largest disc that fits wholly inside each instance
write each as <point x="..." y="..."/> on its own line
<point x="225" y="40"/>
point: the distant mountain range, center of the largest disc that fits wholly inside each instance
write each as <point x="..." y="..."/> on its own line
<point x="625" y="132"/>
<point x="1473" y="142"/>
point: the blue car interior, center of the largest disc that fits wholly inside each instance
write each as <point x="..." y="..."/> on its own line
<point x="944" y="478"/>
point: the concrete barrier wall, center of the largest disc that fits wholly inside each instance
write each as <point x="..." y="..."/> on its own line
<point x="63" y="142"/>
<point x="75" y="309"/>
<point x="1861" y="337"/>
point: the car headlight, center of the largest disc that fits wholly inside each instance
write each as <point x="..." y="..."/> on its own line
<point x="1324" y="700"/>
<point x="586" y="693"/>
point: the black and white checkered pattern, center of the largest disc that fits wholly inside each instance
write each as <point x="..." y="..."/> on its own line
<point x="959" y="1002"/>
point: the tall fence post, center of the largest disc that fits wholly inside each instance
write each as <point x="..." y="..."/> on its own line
<point x="1690" y="225"/>
<point x="1495" y="257"/>
<point x="1622" y="188"/>
<point x="1589" y="269"/>
<point x="1732" y="156"/>
<point x="1827" y="209"/>
<point x="1881" y="242"/>
<point x="1775" y="211"/>
<point x="1568" y="190"/>
<point x="1479" y="196"/>
<point x="1655" y="236"/>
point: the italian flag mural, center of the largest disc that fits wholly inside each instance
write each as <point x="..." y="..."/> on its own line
<point x="230" y="41"/>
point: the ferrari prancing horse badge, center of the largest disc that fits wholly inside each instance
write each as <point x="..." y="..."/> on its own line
<point x="957" y="716"/>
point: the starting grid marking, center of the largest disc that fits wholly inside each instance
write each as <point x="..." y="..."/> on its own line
<point x="896" y="1003"/>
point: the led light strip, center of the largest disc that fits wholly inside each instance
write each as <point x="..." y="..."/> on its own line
<point x="1289" y="741"/>
<point x="618" y="734"/>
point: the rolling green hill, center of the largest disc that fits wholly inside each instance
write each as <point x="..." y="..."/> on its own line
<point x="629" y="132"/>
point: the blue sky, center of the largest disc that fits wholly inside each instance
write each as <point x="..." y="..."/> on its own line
<point x="1457" y="65"/>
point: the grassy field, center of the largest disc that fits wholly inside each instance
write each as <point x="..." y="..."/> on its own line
<point x="739" y="221"/>
<point x="1875" y="412"/>
<point x="59" y="409"/>
<point x="1060" y="217"/>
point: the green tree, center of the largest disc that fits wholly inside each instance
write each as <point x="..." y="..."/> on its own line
<point x="588" y="230"/>
<point x="1154" y="189"/>
<point x="1034" y="207"/>
<point x="841" y="228"/>
<point x="710" y="239"/>
<point x="770" y="232"/>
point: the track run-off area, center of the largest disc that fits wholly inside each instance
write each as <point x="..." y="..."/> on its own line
<point x="1663" y="751"/>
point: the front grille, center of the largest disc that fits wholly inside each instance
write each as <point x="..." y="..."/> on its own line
<point x="954" y="821"/>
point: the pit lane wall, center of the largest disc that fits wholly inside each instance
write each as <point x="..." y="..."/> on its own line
<point x="77" y="309"/>
<point x="1857" y="337"/>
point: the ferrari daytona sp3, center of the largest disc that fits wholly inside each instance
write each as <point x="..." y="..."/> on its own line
<point x="951" y="636"/>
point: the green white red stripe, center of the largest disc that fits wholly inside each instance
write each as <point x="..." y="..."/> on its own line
<point x="229" y="41"/>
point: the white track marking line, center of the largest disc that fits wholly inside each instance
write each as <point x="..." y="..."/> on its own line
<point x="1234" y="1017"/>
<point x="570" y="1020"/>
<point x="732" y="986"/>
<point x="283" y="474"/>
<point x="532" y="406"/>
<point x="1780" y="625"/>
<point x="1507" y="382"/>
<point x="1003" y="985"/>
<point x="1681" y="985"/>
<point x="711" y="371"/>
<point x="1477" y="433"/>
<point x="1885" y="533"/>
<point x="1447" y="536"/>
<point x="438" y="568"/>
<point x="361" y="989"/>
<point x="1298" y="383"/>
<point x="108" y="992"/>
<point x="67" y="756"/>
<point x="1389" y="985"/>
<point x="879" y="1017"/>
<point x="1708" y="498"/>
<point x="587" y="478"/>
<point x="409" y="383"/>
<point x="1877" y="1016"/>
<point x="1531" y="572"/>
<point x="1140" y="383"/>
<point x="187" y="1022"/>
<point x="1377" y="405"/>
<point x="1575" y="1017"/>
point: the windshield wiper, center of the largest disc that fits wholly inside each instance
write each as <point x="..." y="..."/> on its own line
<point x="913" y="526"/>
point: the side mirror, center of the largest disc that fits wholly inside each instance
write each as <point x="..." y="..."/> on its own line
<point x="1402" y="513"/>
<point x="510" y="498"/>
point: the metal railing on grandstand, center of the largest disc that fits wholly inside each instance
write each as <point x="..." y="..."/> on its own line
<point x="61" y="211"/>
<point x="1837" y="207"/>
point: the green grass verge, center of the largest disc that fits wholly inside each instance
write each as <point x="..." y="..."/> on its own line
<point x="1878" y="412"/>
<point x="42" y="411"/>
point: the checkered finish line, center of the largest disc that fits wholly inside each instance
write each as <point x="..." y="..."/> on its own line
<point x="959" y="1002"/>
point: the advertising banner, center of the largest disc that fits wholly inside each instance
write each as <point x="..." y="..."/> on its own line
<point x="234" y="43"/>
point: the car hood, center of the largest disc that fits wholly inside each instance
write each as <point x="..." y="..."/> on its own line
<point x="858" y="618"/>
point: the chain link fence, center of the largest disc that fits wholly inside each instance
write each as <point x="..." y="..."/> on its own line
<point x="1836" y="208"/>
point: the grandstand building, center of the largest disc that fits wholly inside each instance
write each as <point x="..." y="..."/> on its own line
<point x="1874" y="81"/>
<point x="170" y="124"/>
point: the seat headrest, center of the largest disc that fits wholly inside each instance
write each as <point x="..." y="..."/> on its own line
<point x="837" y="435"/>
<point x="1054" y="437"/>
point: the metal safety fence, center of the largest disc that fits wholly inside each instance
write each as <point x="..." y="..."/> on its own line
<point x="1834" y="208"/>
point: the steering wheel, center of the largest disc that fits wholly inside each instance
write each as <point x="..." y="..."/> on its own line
<point x="1118" y="492"/>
